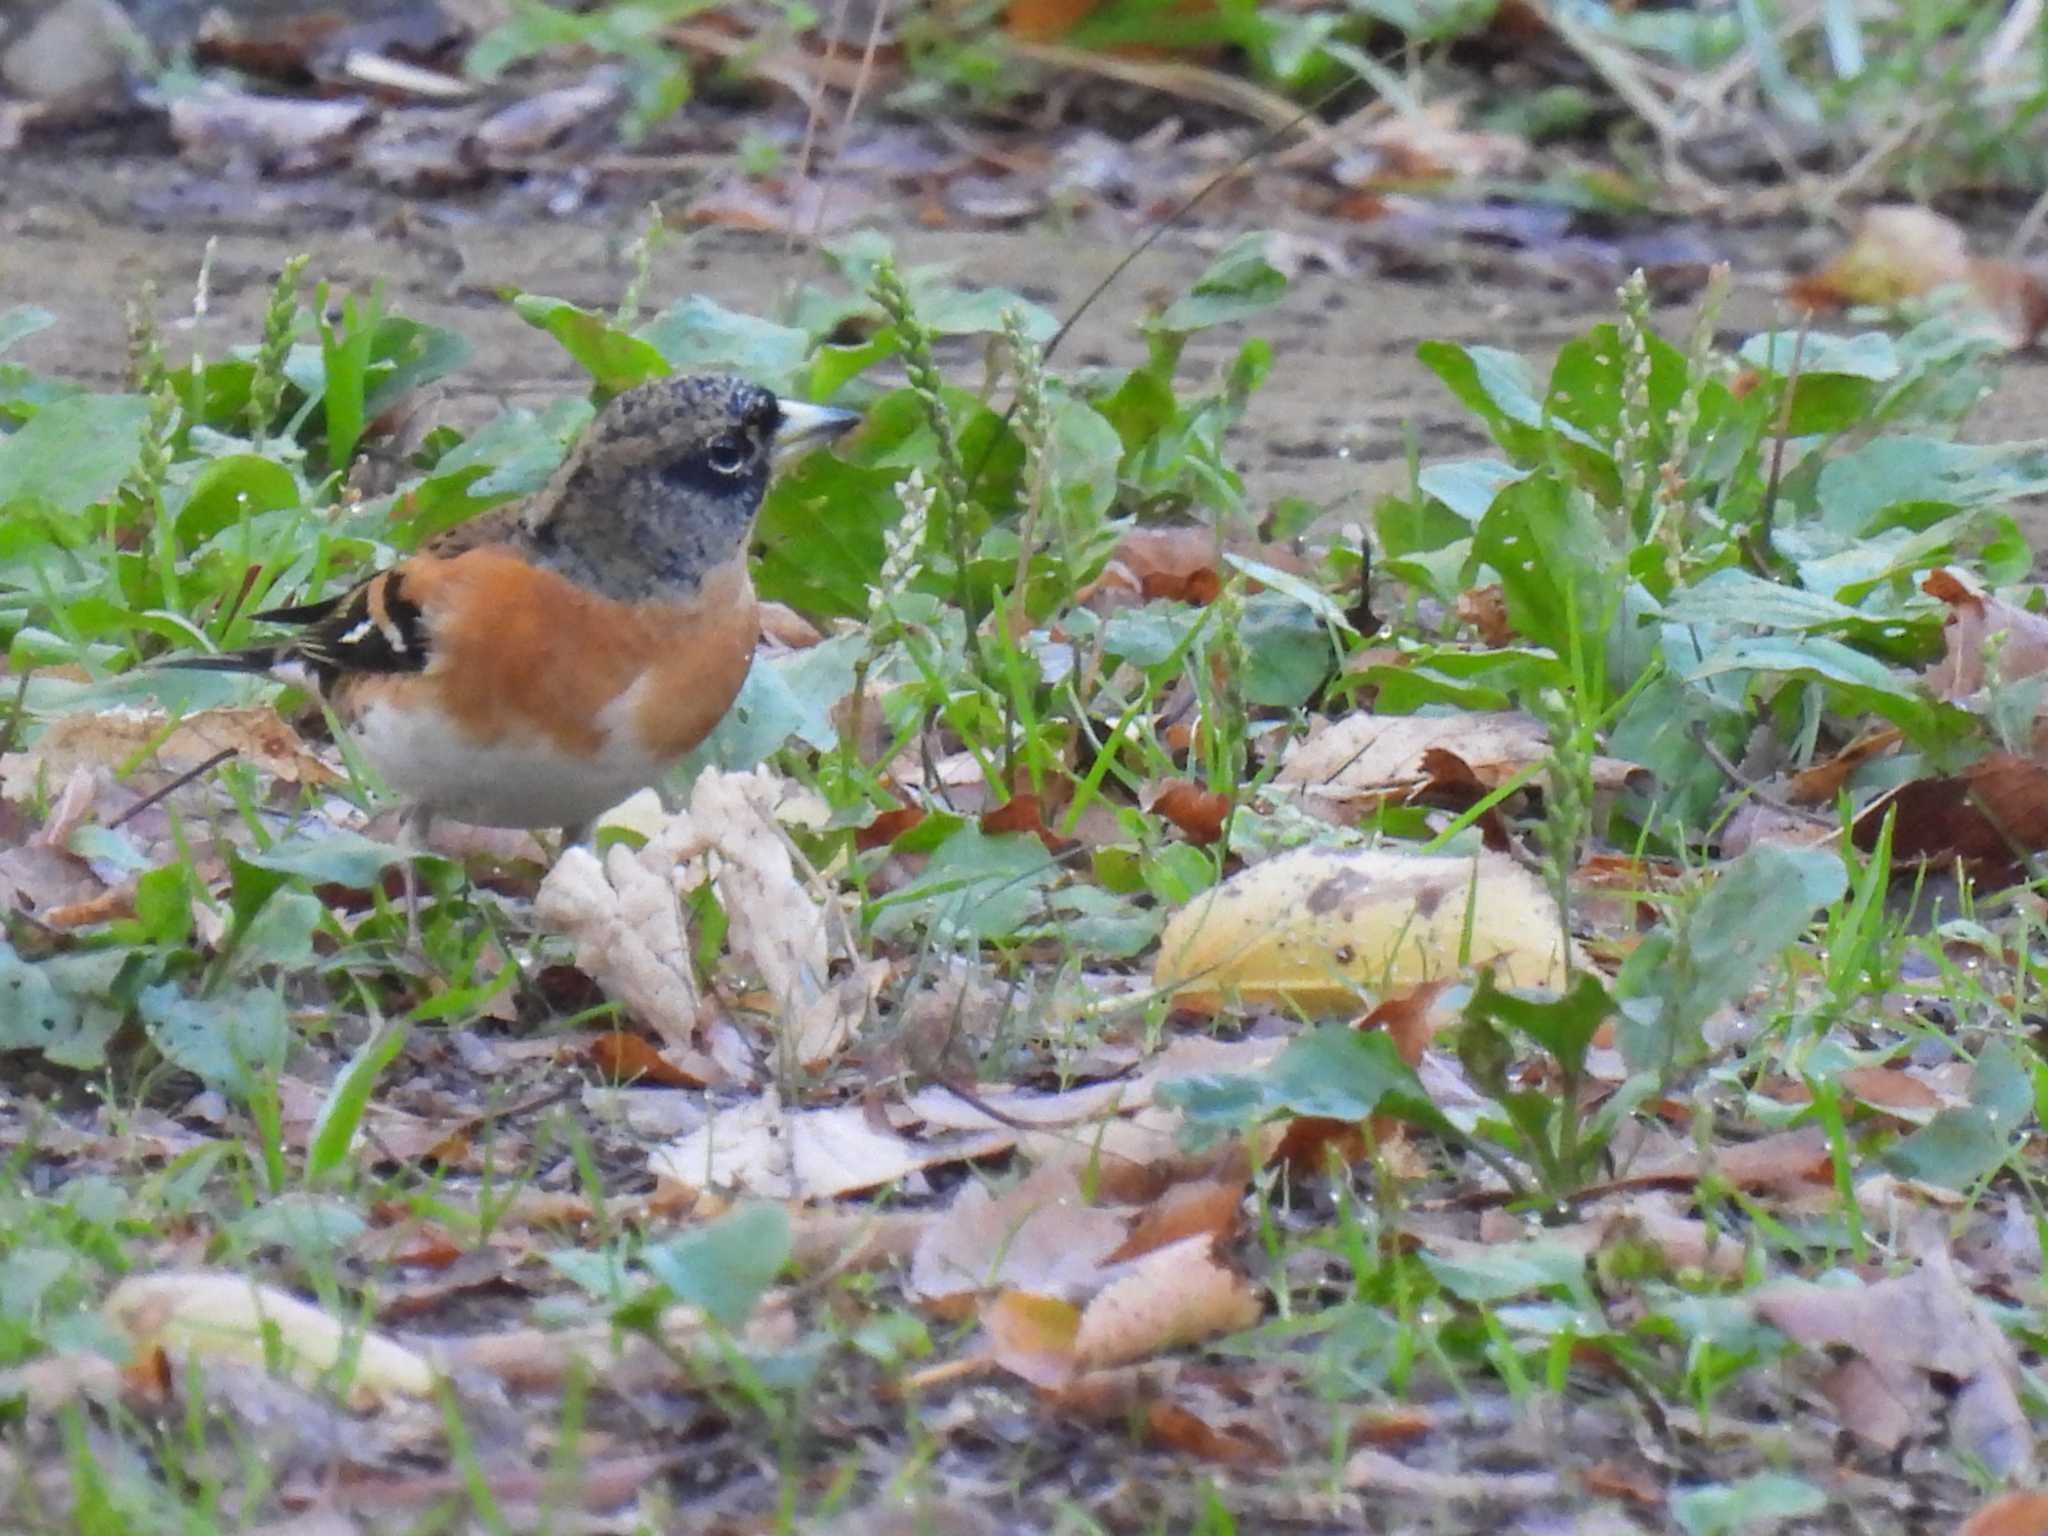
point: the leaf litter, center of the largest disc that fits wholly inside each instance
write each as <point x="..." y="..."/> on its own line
<point x="1423" y="1129"/>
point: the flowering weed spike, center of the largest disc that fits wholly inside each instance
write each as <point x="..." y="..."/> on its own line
<point x="266" y="384"/>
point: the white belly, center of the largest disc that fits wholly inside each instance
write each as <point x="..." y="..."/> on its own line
<point x="530" y="783"/>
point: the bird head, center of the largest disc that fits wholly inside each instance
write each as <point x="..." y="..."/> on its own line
<point x="665" y="485"/>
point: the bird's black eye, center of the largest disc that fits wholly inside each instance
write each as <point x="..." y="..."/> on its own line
<point x="728" y="455"/>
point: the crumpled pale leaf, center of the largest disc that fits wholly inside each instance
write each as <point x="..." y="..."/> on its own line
<point x="1365" y="758"/>
<point x="627" y="925"/>
<point x="628" y="931"/>
<point x="115" y="738"/>
<point x="212" y="1312"/>
<point x="761" y="1148"/>
<point x="1975" y="619"/>
<point x="1040" y="1236"/>
<point x="1317" y="927"/>
<point x="1902" y="1333"/>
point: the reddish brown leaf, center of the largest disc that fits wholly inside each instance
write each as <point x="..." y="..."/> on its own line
<point x="1614" y="1480"/>
<point x="629" y="1058"/>
<point x="1033" y="1336"/>
<point x="1199" y="813"/>
<point x="1820" y="784"/>
<point x="1902" y="252"/>
<point x="1024" y="813"/>
<point x="1208" y="1207"/>
<point x="1974" y="619"/>
<point x="2011" y="1514"/>
<point x="1308" y="1141"/>
<point x="1178" y="1429"/>
<point x="1412" y="1019"/>
<point x="887" y="827"/>
<point x="1486" y="610"/>
<point x="1992" y="816"/>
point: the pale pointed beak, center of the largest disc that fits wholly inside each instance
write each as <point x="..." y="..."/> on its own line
<point x="804" y="426"/>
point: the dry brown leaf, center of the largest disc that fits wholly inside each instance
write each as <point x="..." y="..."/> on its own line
<point x="1905" y="1332"/>
<point x="214" y="125"/>
<point x="1316" y="927"/>
<point x="1032" y="1336"/>
<point x="1181" y="564"/>
<point x="1199" y="813"/>
<point x="118" y="738"/>
<point x="627" y="1058"/>
<point x="2010" y="1514"/>
<point x="1430" y="145"/>
<point x="1181" y="1429"/>
<point x="230" y="1317"/>
<point x="1363" y="759"/>
<point x="1903" y="252"/>
<point x="1486" y="610"/>
<point x="1200" y="1208"/>
<point x="1820" y="784"/>
<point x="759" y="1148"/>
<point x="1975" y="619"/>
<point x="1993" y="816"/>
<point x="1040" y="1235"/>
<point x="1177" y="1295"/>
<point x="1374" y="1469"/>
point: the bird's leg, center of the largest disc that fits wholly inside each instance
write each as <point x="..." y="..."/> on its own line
<point x="581" y="832"/>
<point x="418" y="822"/>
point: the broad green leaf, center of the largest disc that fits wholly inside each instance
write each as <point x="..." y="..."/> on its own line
<point x="613" y="358"/>
<point x="784" y="696"/>
<point x="1871" y="355"/>
<point x="1752" y="1507"/>
<point x="1813" y="656"/>
<point x="1288" y="655"/>
<point x="1899" y="469"/>
<point x="976" y="886"/>
<point x="1468" y="486"/>
<point x="1954" y="1150"/>
<point x="699" y="333"/>
<point x="724" y="1266"/>
<point x="1733" y="596"/>
<point x="1239" y="283"/>
<point x="1563" y="1026"/>
<point x="23" y="320"/>
<point x="1758" y="905"/>
<point x="228" y="1039"/>
<point x="74" y="453"/>
<point x="1558" y="569"/>
<point x="333" y="858"/>
<point x="1509" y="1270"/>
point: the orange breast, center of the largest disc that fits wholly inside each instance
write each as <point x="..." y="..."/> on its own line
<point x="519" y="650"/>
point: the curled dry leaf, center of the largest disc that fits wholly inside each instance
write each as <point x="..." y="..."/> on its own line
<point x="1904" y="1333"/>
<point x="117" y="738"/>
<point x="1903" y="252"/>
<point x="282" y="135"/>
<point x="1975" y="619"/>
<point x="212" y="1313"/>
<point x="1177" y="1295"/>
<point x="1315" y="928"/>
<point x="1362" y="759"/>
<point x="627" y="925"/>
<point x="760" y="1148"/>
<point x="1199" y="813"/>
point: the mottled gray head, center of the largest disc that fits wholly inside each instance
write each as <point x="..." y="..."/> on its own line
<point x="666" y="484"/>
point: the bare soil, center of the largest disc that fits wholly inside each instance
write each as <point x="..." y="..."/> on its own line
<point x="82" y="235"/>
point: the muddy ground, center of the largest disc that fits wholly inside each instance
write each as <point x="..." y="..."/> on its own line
<point x="80" y="233"/>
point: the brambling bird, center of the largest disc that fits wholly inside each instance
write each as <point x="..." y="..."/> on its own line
<point x="538" y="664"/>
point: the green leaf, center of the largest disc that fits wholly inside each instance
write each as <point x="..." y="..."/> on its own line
<point x="1812" y="656"/>
<point x="1954" y="1150"/>
<point x="1468" y="486"/>
<point x="333" y="858"/>
<point x="1288" y="655"/>
<point x="1733" y="596"/>
<point x="1239" y="283"/>
<point x="1758" y="905"/>
<point x="699" y="333"/>
<point x="1499" y="387"/>
<point x="725" y="1266"/>
<point x="1558" y="569"/>
<point x="1871" y="355"/>
<point x="341" y="1112"/>
<point x="74" y="453"/>
<point x="226" y="490"/>
<point x="784" y="696"/>
<point x="230" y="1040"/>
<point x="1748" y="1508"/>
<point x="1563" y="1026"/>
<point x="821" y="534"/>
<point x="613" y="358"/>
<point x="1899" y="470"/>
<point x="976" y="886"/>
<point x="23" y="320"/>
<point x="1509" y="1270"/>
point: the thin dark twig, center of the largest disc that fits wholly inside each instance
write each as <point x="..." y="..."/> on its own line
<point x="157" y="795"/>
<point x="1762" y="545"/>
<point x="12" y="728"/>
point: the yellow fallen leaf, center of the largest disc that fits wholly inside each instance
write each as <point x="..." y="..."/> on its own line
<point x="1317" y="928"/>
<point x="230" y="1317"/>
